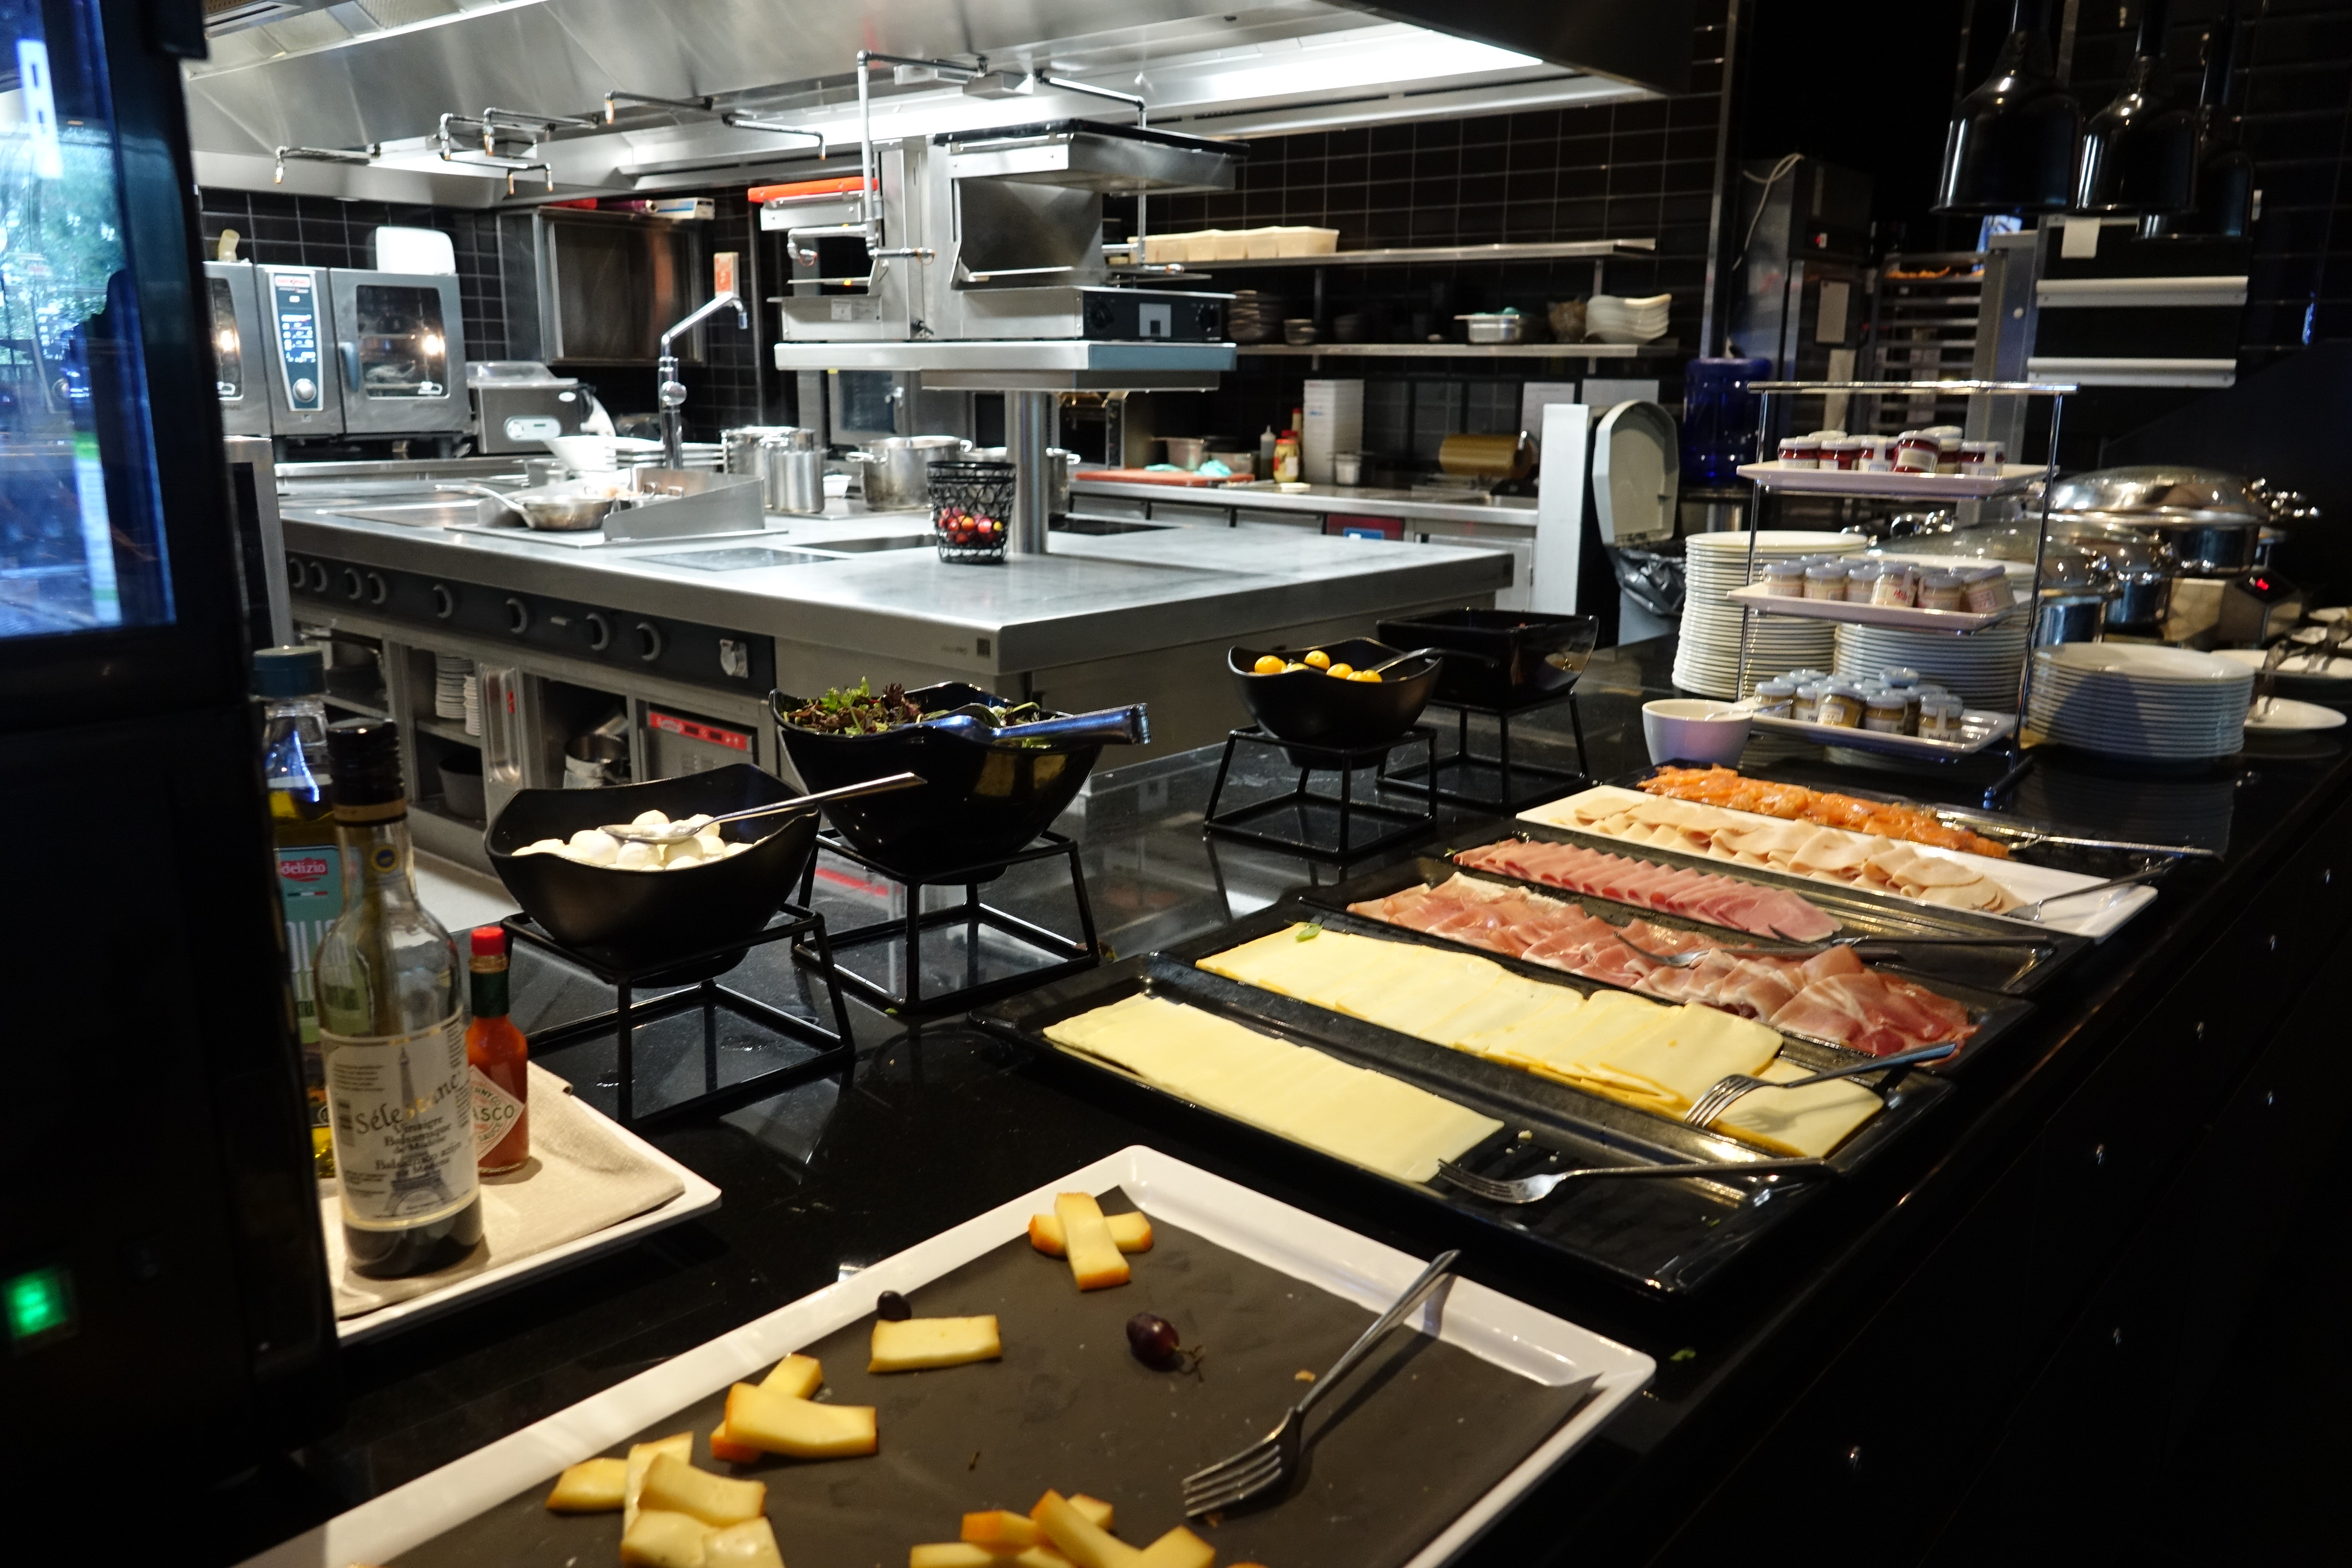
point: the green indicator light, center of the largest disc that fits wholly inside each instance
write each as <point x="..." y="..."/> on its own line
<point x="40" y="1304"/>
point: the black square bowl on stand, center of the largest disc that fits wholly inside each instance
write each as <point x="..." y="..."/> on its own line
<point x="985" y="805"/>
<point x="639" y="930"/>
<point x="1499" y="663"/>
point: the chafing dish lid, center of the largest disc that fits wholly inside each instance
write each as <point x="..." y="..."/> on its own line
<point x="2162" y="492"/>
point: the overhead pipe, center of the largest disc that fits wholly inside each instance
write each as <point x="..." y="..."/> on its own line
<point x="367" y="154"/>
<point x="615" y="98"/>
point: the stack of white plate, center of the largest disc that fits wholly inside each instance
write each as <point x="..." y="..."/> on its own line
<point x="471" y="711"/>
<point x="1981" y="668"/>
<point x="450" y="674"/>
<point x="1708" y="659"/>
<point x="1611" y="318"/>
<point x="2139" y="700"/>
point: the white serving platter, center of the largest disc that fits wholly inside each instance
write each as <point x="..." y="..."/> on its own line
<point x="2097" y="917"/>
<point x="697" y="1197"/>
<point x="1759" y="596"/>
<point x="1494" y="1327"/>
<point x="1774" y="475"/>
<point x="2284" y="716"/>
<point x="1978" y="730"/>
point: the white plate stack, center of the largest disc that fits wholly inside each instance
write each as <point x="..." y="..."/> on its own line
<point x="1980" y="669"/>
<point x="1707" y="661"/>
<point x="471" y="711"/>
<point x="450" y="674"/>
<point x="2136" y="700"/>
<point x="1611" y="318"/>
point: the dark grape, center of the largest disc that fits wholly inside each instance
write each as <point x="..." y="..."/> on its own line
<point x="1152" y="1338"/>
<point x="892" y="1308"/>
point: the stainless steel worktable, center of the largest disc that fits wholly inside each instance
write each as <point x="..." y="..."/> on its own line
<point x="1413" y="506"/>
<point x="1101" y="619"/>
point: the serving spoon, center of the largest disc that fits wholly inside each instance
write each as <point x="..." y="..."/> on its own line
<point x="679" y="832"/>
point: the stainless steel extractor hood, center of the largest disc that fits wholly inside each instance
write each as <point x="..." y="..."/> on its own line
<point x="362" y="95"/>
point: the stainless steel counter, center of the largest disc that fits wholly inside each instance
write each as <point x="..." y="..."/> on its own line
<point x="1504" y="511"/>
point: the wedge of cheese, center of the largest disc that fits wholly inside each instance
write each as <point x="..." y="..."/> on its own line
<point x="1350" y="1112"/>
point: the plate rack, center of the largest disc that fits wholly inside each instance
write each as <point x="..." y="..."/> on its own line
<point x="1979" y="394"/>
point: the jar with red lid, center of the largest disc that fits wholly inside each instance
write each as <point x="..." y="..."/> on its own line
<point x="1916" y="453"/>
<point x="1800" y="452"/>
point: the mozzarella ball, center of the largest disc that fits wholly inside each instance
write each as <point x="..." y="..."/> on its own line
<point x="635" y="857"/>
<point x="649" y="819"/>
<point x="594" y="847"/>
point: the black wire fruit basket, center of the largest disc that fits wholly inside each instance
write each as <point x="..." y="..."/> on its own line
<point x="972" y="509"/>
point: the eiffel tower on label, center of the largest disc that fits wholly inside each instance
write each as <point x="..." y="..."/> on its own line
<point x="418" y="1186"/>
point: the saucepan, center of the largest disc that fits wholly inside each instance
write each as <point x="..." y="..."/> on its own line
<point x="549" y="510"/>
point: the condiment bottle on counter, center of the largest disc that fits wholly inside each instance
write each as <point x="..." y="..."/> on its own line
<point x="292" y="683"/>
<point x="392" y="1029"/>
<point x="1266" y="453"/>
<point x="1285" y="458"/>
<point x="497" y="1061"/>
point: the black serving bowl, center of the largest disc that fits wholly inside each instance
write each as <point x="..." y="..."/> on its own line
<point x="982" y="801"/>
<point x="1501" y="658"/>
<point x="1318" y="710"/>
<point x="637" y="920"/>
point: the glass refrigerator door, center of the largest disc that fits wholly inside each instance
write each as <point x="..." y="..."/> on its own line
<point x="81" y="543"/>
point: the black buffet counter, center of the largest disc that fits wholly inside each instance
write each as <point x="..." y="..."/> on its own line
<point x="2011" y="1315"/>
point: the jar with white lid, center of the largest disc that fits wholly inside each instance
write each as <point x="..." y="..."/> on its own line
<point x="1774" y="698"/>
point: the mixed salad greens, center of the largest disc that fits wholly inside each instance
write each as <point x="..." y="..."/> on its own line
<point x="856" y="711"/>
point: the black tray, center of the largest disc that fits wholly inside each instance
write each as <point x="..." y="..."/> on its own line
<point x="1671" y="1236"/>
<point x="1993" y="1013"/>
<point x="1858" y="912"/>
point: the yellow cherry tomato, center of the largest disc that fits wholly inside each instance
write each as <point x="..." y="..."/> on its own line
<point x="1341" y="670"/>
<point x="1319" y="659"/>
<point x="1372" y="675"/>
<point x="1291" y="668"/>
<point x="1268" y="664"/>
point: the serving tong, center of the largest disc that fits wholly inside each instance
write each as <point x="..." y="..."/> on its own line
<point x="680" y="832"/>
<point x="1130" y="725"/>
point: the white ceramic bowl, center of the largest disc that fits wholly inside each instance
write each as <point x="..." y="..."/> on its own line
<point x="1694" y="729"/>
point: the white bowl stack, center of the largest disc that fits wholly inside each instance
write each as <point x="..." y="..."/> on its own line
<point x="1611" y="318"/>
<point x="2138" y="701"/>
<point x="1708" y="659"/>
<point x="1980" y="670"/>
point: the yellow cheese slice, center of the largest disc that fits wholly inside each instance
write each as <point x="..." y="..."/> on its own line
<point x="1809" y="1122"/>
<point x="1687" y="1050"/>
<point x="1513" y="999"/>
<point x="1351" y="1112"/>
<point x="1415" y="995"/>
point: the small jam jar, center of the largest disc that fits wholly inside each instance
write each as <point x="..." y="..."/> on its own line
<point x="1841" y="705"/>
<point x="1862" y="580"/>
<point x="1916" y="452"/>
<point x="1826" y="581"/>
<point x="1980" y="459"/>
<point x="1939" y="718"/>
<point x="1874" y="454"/>
<point x="1940" y="591"/>
<point x="1947" y="454"/>
<point x="1843" y="453"/>
<point x="1885" y="711"/>
<point x="1984" y="589"/>
<point x="1783" y="579"/>
<point x="1774" y="698"/>
<point x="1800" y="452"/>
<point x="1806" y="708"/>
<point x="1898" y="584"/>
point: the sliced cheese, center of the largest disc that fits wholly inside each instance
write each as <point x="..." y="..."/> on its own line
<point x="1096" y="1262"/>
<point x="751" y="1545"/>
<point x="956" y="1554"/>
<point x="1002" y="1529"/>
<point x="1687" y="1050"/>
<point x="1180" y="1548"/>
<point x="800" y="1427"/>
<point x="1808" y="1122"/>
<point x="1512" y="999"/>
<point x="914" y="1344"/>
<point x="641" y="1459"/>
<point x="1129" y="1232"/>
<point x="1080" y="1539"/>
<point x="795" y="1377"/>
<point x="659" y="1539"/>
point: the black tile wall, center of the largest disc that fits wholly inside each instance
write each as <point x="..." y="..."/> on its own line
<point x="321" y="231"/>
<point x="2298" y="130"/>
<point x="1643" y="170"/>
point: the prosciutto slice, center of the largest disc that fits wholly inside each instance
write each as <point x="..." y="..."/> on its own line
<point x="1830" y="995"/>
<point x="1696" y="895"/>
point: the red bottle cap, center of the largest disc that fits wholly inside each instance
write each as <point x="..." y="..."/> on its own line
<point x="490" y="942"/>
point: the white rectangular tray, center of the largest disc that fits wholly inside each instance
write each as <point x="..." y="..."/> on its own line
<point x="1772" y="476"/>
<point x="1759" y="597"/>
<point x="1494" y="1327"/>
<point x="1978" y="730"/>
<point x="2105" y="916"/>
<point x="697" y="1197"/>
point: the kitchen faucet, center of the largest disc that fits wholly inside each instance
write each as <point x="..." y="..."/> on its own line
<point x="673" y="391"/>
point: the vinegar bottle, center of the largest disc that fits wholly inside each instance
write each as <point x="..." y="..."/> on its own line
<point x="392" y="1029"/>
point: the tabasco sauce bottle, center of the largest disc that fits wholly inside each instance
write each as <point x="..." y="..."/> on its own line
<point x="497" y="1058"/>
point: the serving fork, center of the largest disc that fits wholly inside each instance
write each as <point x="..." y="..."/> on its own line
<point x="1274" y="1459"/>
<point x="1536" y="1188"/>
<point x="1733" y="1086"/>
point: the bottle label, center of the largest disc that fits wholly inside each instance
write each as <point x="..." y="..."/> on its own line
<point x="495" y="1113"/>
<point x="311" y="890"/>
<point x="403" y="1115"/>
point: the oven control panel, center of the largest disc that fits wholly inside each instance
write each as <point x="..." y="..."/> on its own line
<point x="624" y="640"/>
<point x="294" y="302"/>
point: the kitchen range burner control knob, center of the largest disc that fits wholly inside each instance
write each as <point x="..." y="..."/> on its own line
<point x="518" y="616"/>
<point x="352" y="586"/>
<point x="445" y="603"/>
<point x="650" y="641"/>
<point x="378" y="590"/>
<point x="317" y="576"/>
<point x="600" y="631"/>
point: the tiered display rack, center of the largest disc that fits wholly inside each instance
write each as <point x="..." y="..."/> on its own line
<point x="1768" y="476"/>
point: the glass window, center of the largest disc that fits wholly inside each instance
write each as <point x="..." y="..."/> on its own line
<point x="402" y="350"/>
<point x="229" y="352"/>
<point x="81" y="543"/>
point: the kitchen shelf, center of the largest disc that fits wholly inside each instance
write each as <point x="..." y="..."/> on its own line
<point x="1759" y="597"/>
<point x="375" y="710"/>
<point x="1407" y="255"/>
<point x="448" y="730"/>
<point x="1465" y="350"/>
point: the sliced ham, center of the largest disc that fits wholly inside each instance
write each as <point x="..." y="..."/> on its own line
<point x="1830" y="995"/>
